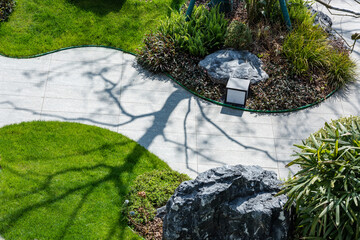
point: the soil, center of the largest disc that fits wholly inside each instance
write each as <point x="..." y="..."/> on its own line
<point x="283" y="89"/>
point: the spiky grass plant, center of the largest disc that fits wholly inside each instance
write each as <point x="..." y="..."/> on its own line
<point x="327" y="189"/>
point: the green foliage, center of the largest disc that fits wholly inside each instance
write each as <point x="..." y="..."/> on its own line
<point x="6" y="7"/>
<point x="299" y="13"/>
<point x="158" y="53"/>
<point x="327" y="189"/>
<point x="306" y="47"/>
<point x="238" y="35"/>
<point x="38" y="26"/>
<point x="67" y="181"/>
<point x="151" y="190"/>
<point x="341" y="68"/>
<point x="203" y="33"/>
<point x="258" y="10"/>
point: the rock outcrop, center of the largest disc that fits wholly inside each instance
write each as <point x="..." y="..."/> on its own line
<point x="231" y="202"/>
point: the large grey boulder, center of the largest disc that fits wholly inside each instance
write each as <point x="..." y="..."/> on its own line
<point x="223" y="64"/>
<point x="230" y="202"/>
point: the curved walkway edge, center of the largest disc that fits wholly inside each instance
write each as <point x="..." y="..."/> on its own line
<point x="106" y="88"/>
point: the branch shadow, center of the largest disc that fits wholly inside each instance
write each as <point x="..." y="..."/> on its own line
<point x="118" y="175"/>
<point x="110" y="84"/>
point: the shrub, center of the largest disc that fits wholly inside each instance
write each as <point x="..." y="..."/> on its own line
<point x="238" y="36"/>
<point x="158" y="53"/>
<point x="203" y="33"/>
<point x="306" y="47"/>
<point x="299" y="13"/>
<point x="341" y="68"/>
<point x="150" y="191"/>
<point x="6" y="7"/>
<point x="258" y="10"/>
<point x="327" y="189"/>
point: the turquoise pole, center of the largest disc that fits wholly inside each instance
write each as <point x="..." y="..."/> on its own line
<point x="190" y="9"/>
<point x="285" y="14"/>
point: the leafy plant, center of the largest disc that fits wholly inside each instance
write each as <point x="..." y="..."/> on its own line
<point x="258" y="10"/>
<point x="6" y="7"/>
<point x="149" y="191"/>
<point x="341" y="68"/>
<point x="203" y="33"/>
<point x="238" y="35"/>
<point x="157" y="54"/>
<point x="306" y="47"/>
<point x="299" y="13"/>
<point x="327" y="189"/>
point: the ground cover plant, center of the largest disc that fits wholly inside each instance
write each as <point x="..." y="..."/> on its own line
<point x="327" y="189"/>
<point x="68" y="181"/>
<point x="304" y="65"/>
<point x="148" y="192"/>
<point x="40" y="26"/>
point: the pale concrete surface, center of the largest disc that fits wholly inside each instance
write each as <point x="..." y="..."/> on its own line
<point x="106" y="88"/>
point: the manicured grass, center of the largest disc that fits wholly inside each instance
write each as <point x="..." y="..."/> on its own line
<point x="38" y="26"/>
<point x="67" y="181"/>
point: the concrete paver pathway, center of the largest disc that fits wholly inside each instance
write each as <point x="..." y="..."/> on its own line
<point x="105" y="87"/>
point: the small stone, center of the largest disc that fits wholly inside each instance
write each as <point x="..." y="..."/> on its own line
<point x="224" y="64"/>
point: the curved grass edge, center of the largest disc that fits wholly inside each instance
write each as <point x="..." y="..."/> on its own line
<point x="172" y="78"/>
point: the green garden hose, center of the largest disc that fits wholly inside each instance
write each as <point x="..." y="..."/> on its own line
<point x="285" y="14"/>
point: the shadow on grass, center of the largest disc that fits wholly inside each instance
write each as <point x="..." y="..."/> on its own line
<point x="119" y="175"/>
<point x="99" y="7"/>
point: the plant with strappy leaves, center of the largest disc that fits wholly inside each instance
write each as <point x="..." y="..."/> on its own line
<point x="327" y="189"/>
<point x="202" y="34"/>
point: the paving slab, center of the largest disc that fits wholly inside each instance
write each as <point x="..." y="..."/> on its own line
<point x="107" y="88"/>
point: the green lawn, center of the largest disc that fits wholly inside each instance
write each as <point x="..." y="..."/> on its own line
<point x="67" y="181"/>
<point x="38" y="26"/>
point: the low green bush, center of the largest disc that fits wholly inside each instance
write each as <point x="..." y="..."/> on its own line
<point x="238" y="36"/>
<point x="341" y="68"/>
<point x="258" y="10"/>
<point x="6" y="7"/>
<point x="327" y="189"/>
<point x="202" y="34"/>
<point x="306" y="47"/>
<point x="150" y="191"/>
<point x="158" y="53"/>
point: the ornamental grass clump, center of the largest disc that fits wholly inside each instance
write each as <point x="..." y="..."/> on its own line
<point x="308" y="48"/>
<point x="158" y="53"/>
<point x="327" y="189"/>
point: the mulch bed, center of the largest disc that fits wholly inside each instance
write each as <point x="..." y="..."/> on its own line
<point x="283" y="89"/>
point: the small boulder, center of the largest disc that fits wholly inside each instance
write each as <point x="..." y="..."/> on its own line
<point x="223" y="64"/>
<point x="322" y="19"/>
<point x="226" y="203"/>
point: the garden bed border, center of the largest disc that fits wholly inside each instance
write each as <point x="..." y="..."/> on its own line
<point x="172" y="78"/>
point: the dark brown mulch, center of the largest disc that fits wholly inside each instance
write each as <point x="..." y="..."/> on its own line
<point x="152" y="230"/>
<point x="283" y="89"/>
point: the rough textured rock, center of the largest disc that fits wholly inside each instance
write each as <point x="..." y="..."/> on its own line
<point x="223" y="64"/>
<point x="231" y="202"/>
<point x="322" y="19"/>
